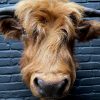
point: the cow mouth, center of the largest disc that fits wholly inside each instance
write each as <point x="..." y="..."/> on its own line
<point x="55" y="97"/>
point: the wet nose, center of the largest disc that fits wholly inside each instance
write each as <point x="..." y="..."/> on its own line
<point x="50" y="89"/>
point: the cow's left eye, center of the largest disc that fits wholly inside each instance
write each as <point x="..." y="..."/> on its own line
<point x="43" y="20"/>
<point x="64" y="30"/>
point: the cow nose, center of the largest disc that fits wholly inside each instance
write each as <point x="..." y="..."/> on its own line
<point x="50" y="89"/>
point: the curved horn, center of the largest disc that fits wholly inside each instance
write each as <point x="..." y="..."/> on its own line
<point x="90" y="12"/>
<point x="7" y="10"/>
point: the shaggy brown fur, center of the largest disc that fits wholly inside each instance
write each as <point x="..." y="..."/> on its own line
<point x="51" y="28"/>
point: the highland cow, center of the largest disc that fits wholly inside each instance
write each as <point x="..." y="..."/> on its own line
<point x="48" y="29"/>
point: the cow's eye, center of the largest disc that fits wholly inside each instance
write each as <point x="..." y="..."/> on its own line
<point x="43" y="20"/>
<point x="64" y="31"/>
<point x="73" y="18"/>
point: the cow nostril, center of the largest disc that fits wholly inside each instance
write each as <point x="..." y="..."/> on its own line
<point x="38" y="82"/>
<point x="62" y="85"/>
<point x="40" y="85"/>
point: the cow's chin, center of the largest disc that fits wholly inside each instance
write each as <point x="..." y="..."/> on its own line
<point x="36" y="94"/>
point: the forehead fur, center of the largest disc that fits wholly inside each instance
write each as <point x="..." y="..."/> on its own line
<point x="54" y="6"/>
<point x="57" y="12"/>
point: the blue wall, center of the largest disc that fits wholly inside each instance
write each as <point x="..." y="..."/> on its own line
<point x="87" y="85"/>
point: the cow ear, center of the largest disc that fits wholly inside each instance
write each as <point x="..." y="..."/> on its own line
<point x="87" y="30"/>
<point x="10" y="27"/>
